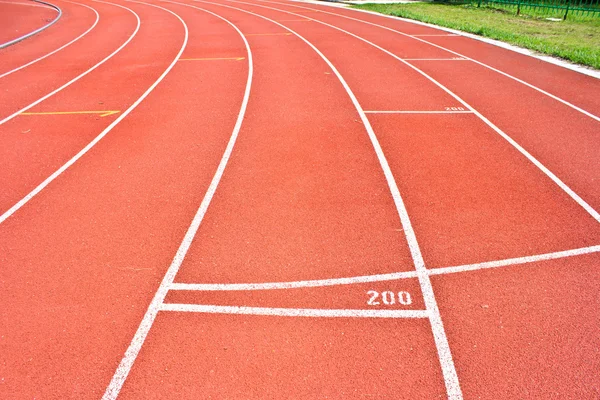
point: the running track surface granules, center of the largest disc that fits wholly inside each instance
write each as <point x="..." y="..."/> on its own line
<point x="270" y="199"/>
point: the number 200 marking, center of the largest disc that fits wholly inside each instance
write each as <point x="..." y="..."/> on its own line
<point x="389" y="298"/>
<point x="455" y="109"/>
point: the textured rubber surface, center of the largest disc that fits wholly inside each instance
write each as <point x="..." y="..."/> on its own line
<point x="329" y="301"/>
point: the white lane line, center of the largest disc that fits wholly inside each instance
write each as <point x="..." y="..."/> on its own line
<point x="573" y="106"/>
<point x="35" y="32"/>
<point x="293" y="285"/>
<point x="384" y="277"/>
<point x="510" y="140"/>
<point x="60" y="48"/>
<point x="439" y="334"/>
<point x="294" y="312"/>
<point x="515" y="261"/>
<point x="38" y="101"/>
<point x="418" y="112"/>
<point x="118" y="379"/>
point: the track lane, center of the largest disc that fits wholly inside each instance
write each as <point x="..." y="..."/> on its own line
<point x="142" y="383"/>
<point x="42" y="80"/>
<point x="67" y="338"/>
<point x="570" y="86"/>
<point x="35" y="146"/>
<point x="76" y="20"/>
<point x="132" y="351"/>
<point x="265" y="172"/>
<point x="300" y="358"/>
<point x="525" y="331"/>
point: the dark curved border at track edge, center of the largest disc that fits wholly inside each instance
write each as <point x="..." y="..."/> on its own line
<point x="28" y="35"/>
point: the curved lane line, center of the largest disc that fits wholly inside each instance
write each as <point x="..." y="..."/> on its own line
<point x="439" y="334"/>
<point x="515" y="261"/>
<point x="72" y="161"/>
<point x="383" y="277"/>
<point x="28" y="35"/>
<point x="565" y="102"/>
<point x="60" y="48"/>
<point x="210" y="287"/>
<point x="118" y="379"/>
<point x="38" y="101"/>
<point x="510" y="140"/>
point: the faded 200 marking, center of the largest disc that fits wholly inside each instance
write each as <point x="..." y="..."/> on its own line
<point x="388" y="298"/>
<point x="455" y="109"/>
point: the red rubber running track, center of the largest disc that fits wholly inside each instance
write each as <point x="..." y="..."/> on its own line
<point x="276" y="199"/>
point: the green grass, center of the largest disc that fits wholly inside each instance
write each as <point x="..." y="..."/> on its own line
<point x="577" y="39"/>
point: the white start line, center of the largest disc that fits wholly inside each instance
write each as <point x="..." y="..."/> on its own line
<point x="384" y="277"/>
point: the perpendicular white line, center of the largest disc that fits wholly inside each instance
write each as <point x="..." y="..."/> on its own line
<point x="293" y="285"/>
<point x="77" y="156"/>
<point x="78" y="77"/>
<point x="60" y="48"/>
<point x="35" y="32"/>
<point x="294" y="312"/>
<point x="118" y="379"/>
<point x="443" y="348"/>
<point x="514" y="261"/>
<point x="419" y="112"/>
<point x="447" y="34"/>
<point x="573" y="106"/>
<point x="510" y="140"/>
<point x="436" y="59"/>
<point x="383" y="277"/>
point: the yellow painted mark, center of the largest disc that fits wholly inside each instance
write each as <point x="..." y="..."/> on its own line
<point x="213" y="59"/>
<point x="103" y="113"/>
<point x="268" y="34"/>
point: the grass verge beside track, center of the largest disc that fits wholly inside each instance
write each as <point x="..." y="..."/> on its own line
<point x="576" y="40"/>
